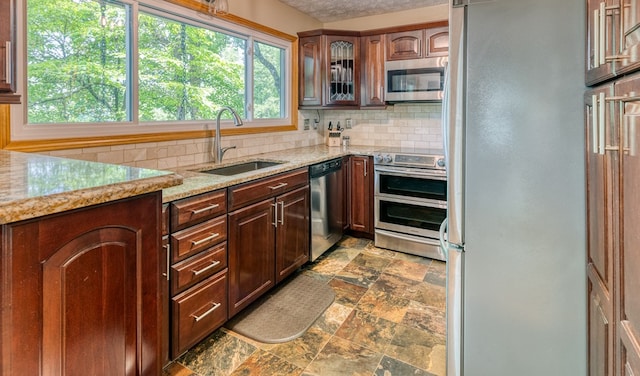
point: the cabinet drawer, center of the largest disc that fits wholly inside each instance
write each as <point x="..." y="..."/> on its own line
<point x="196" y="268"/>
<point x="197" y="238"/>
<point x="192" y="210"/>
<point x="247" y="193"/>
<point x="198" y="311"/>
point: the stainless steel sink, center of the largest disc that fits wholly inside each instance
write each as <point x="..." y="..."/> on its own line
<point x="240" y="168"/>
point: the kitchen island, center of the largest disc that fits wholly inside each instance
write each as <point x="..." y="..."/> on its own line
<point x="80" y="266"/>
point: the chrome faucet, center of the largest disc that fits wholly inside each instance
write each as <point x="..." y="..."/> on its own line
<point x="219" y="151"/>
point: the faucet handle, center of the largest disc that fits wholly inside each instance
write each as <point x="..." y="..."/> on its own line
<point x="223" y="150"/>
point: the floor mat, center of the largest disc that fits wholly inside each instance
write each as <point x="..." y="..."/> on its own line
<point x="286" y="313"/>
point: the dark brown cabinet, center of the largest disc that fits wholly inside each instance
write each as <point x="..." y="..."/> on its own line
<point x="198" y="268"/>
<point x="372" y="82"/>
<point x="405" y="45"/>
<point x="8" y="52"/>
<point x="361" y="195"/>
<point x="81" y="291"/>
<point x="416" y="44"/>
<point x="268" y="234"/>
<point x="329" y="69"/>
<point x="310" y="82"/>
<point x="613" y="265"/>
<point x="602" y="167"/>
<point x="613" y="39"/>
<point x="292" y="232"/>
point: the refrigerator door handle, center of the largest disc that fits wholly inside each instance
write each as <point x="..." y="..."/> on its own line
<point x="455" y="257"/>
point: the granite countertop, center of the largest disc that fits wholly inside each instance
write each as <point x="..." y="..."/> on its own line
<point x="33" y="185"/>
<point x="196" y="182"/>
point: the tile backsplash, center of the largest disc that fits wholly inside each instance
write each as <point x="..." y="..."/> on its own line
<point x="402" y="125"/>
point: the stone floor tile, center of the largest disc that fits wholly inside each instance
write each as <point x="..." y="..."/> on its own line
<point x="367" y="330"/>
<point x="347" y="294"/>
<point x="341" y="357"/>
<point x="262" y="363"/>
<point x="393" y="367"/>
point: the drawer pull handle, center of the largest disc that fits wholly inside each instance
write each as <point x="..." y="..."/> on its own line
<point x="210" y="207"/>
<point x="207" y="313"/>
<point x="196" y="243"/>
<point x="281" y="185"/>
<point x="208" y="267"/>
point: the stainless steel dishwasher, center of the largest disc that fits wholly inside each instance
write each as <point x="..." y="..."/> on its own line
<point x="327" y="203"/>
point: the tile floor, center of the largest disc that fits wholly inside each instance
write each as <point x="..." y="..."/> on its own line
<point x="387" y="319"/>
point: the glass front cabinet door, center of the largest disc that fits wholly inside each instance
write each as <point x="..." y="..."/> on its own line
<point x="342" y="73"/>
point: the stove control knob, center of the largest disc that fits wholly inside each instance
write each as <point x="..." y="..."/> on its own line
<point x="388" y="159"/>
<point x="441" y="162"/>
<point x="377" y="158"/>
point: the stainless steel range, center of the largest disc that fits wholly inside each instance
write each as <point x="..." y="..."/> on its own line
<point x="410" y="200"/>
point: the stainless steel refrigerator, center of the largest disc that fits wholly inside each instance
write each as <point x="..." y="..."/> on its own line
<point x="515" y="233"/>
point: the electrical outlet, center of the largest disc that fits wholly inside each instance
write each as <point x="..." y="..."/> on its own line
<point x="348" y="123"/>
<point x="306" y="124"/>
<point x="315" y="123"/>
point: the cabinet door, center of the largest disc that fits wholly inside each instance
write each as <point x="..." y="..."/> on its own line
<point x="310" y="87"/>
<point x="405" y="45"/>
<point x="292" y="232"/>
<point x="629" y="258"/>
<point x="373" y="70"/>
<point x="81" y="292"/>
<point x="7" y="50"/>
<point x="602" y="200"/>
<point x="436" y="42"/>
<point x="603" y="29"/>
<point x="251" y="253"/>
<point x="342" y="70"/>
<point x="628" y="48"/>
<point x="361" y="195"/>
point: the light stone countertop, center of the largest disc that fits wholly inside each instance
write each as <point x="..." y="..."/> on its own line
<point x="196" y="182"/>
<point x="33" y="185"/>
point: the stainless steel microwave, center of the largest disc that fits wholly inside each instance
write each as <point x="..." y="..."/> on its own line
<point x="415" y="80"/>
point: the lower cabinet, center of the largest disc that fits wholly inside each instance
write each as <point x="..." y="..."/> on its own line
<point x="198" y="268"/>
<point x="361" y="195"/>
<point x="80" y="291"/>
<point x="268" y="239"/>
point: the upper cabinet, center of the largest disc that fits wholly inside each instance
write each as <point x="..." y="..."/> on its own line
<point x="372" y="82"/>
<point x="329" y="69"/>
<point x="342" y="69"/>
<point x="416" y="44"/>
<point x="310" y="89"/>
<point x="345" y="69"/>
<point x="8" y="52"/>
<point x="613" y="39"/>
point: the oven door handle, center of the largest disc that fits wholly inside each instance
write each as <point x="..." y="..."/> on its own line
<point x="411" y="172"/>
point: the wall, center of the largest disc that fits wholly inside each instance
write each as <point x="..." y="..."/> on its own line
<point x="397" y="126"/>
<point x="274" y="14"/>
<point x="402" y="125"/>
<point x="412" y="126"/>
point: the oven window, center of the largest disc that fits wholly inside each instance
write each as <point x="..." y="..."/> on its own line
<point x="430" y="189"/>
<point x="417" y="216"/>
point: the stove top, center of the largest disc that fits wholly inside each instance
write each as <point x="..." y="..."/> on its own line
<point x="410" y="157"/>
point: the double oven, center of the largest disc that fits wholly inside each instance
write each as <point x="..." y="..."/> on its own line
<point x="410" y="201"/>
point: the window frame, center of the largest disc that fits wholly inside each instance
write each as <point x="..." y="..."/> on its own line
<point x="20" y="136"/>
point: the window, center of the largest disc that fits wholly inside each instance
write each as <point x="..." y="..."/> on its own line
<point x="101" y="67"/>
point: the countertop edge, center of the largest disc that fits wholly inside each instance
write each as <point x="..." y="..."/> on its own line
<point x="33" y="207"/>
<point x="195" y="183"/>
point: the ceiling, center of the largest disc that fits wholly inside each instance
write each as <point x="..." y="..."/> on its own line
<point x="337" y="10"/>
